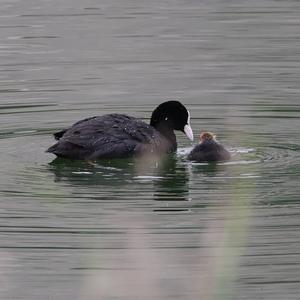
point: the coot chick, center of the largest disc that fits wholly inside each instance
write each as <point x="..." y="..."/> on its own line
<point x="120" y="136"/>
<point x="209" y="149"/>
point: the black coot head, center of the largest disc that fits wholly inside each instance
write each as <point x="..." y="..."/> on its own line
<point x="174" y="115"/>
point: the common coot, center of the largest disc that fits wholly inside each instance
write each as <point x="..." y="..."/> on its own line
<point x="209" y="150"/>
<point x="120" y="136"/>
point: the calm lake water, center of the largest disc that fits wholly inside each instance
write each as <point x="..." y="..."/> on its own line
<point x="166" y="229"/>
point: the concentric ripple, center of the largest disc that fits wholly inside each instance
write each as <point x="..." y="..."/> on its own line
<point x="144" y="229"/>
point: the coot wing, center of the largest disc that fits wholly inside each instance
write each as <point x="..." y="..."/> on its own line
<point x="58" y="135"/>
<point x="108" y="136"/>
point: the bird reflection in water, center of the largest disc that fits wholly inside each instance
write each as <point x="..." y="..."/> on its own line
<point x="172" y="186"/>
<point x="168" y="177"/>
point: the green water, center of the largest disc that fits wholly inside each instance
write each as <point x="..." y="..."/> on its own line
<point x="167" y="229"/>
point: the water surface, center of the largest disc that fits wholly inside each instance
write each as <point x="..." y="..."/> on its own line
<point x="168" y="229"/>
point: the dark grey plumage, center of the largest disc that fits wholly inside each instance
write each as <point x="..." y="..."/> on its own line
<point x="109" y="136"/>
<point x="209" y="150"/>
<point x="120" y="136"/>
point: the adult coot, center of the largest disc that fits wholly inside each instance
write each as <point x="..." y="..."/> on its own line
<point x="119" y="135"/>
<point x="209" y="149"/>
